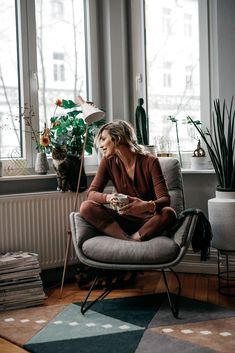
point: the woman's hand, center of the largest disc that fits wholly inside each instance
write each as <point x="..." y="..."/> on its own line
<point x="135" y="207"/>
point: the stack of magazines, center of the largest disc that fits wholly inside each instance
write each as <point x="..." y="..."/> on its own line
<point x="20" y="281"/>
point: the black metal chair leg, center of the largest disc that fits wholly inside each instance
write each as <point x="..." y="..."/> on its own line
<point x="174" y="306"/>
<point x="85" y="307"/>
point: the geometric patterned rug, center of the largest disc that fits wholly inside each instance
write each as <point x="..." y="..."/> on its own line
<point x="142" y="324"/>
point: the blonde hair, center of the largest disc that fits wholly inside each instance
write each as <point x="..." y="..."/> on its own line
<point x="122" y="133"/>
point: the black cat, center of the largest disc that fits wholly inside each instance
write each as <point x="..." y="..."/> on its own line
<point x="67" y="170"/>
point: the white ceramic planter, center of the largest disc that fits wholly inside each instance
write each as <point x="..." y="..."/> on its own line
<point x="221" y="212"/>
<point x="198" y="163"/>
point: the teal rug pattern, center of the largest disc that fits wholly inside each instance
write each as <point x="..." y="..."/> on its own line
<point x="113" y="325"/>
<point x="141" y="324"/>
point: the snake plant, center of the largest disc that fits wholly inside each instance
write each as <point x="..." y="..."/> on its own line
<point x="220" y="142"/>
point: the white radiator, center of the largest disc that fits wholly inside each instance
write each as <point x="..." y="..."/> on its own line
<point x="38" y="222"/>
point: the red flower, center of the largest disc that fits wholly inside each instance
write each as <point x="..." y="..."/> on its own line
<point x="44" y="140"/>
<point x="58" y="102"/>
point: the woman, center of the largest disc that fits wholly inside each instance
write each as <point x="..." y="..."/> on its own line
<point x="134" y="173"/>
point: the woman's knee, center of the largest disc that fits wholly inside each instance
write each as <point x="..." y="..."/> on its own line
<point x="86" y="208"/>
<point x="169" y="213"/>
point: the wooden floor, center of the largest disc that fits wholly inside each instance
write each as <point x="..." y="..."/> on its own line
<point x="195" y="286"/>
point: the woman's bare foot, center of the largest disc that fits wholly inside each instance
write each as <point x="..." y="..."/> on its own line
<point x="115" y="231"/>
<point x="135" y="236"/>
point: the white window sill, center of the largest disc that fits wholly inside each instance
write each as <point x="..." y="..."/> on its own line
<point x="90" y="171"/>
<point x="198" y="171"/>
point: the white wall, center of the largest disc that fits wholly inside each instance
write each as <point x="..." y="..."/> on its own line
<point x="226" y="47"/>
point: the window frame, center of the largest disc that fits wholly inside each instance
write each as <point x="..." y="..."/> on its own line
<point x="139" y="62"/>
<point x="27" y="68"/>
<point x="96" y="54"/>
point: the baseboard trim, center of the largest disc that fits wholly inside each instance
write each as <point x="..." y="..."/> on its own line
<point x="193" y="264"/>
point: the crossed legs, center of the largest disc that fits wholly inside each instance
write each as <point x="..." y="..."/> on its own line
<point x="107" y="220"/>
<point x="111" y="223"/>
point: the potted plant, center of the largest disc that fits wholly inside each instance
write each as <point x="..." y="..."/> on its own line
<point x="220" y="143"/>
<point x="69" y="130"/>
<point x="68" y="134"/>
<point x="41" y="140"/>
<point x="174" y="120"/>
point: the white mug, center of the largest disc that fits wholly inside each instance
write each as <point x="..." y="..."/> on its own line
<point x="121" y="200"/>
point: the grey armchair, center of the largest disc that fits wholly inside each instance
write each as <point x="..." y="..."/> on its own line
<point x="158" y="254"/>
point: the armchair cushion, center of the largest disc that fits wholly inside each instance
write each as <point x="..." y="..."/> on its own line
<point x="106" y="249"/>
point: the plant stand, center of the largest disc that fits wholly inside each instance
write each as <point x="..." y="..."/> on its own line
<point x="226" y="272"/>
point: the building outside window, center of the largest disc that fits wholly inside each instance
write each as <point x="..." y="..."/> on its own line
<point x="37" y="72"/>
<point x="57" y="9"/>
<point x="59" y="67"/>
<point x="61" y="46"/>
<point x="10" y="124"/>
<point x="188" y="25"/>
<point x="166" y="21"/>
<point x="167" y="75"/>
<point x="189" y="77"/>
<point x="172" y="56"/>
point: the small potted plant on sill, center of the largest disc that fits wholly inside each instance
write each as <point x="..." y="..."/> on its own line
<point x="220" y="143"/>
<point x="199" y="159"/>
<point x="41" y="140"/>
<point x="175" y="121"/>
<point x="43" y="147"/>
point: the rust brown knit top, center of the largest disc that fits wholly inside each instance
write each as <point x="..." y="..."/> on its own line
<point x="148" y="183"/>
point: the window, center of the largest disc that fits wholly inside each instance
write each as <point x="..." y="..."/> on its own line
<point x="189" y="77"/>
<point x="166" y="21"/>
<point x="167" y="75"/>
<point x="57" y="9"/>
<point x="181" y="95"/>
<point x="59" y="67"/>
<point x="58" y="72"/>
<point x="37" y="72"/>
<point x="188" y="25"/>
<point x="61" y="74"/>
<point x="10" y="124"/>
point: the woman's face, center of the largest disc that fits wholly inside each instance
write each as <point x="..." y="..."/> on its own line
<point x="107" y="144"/>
